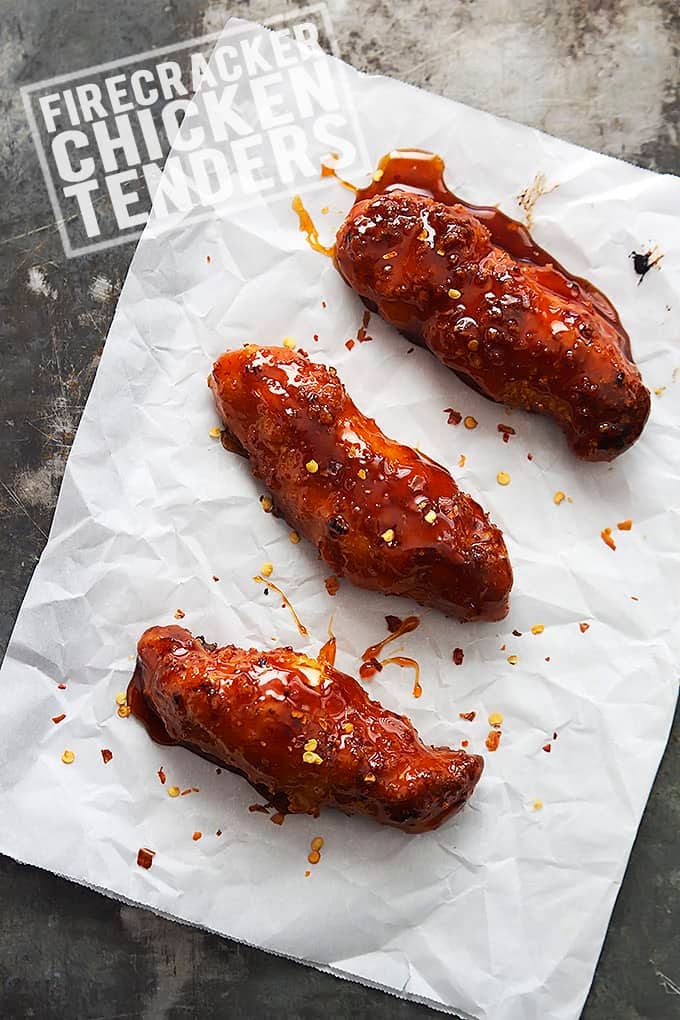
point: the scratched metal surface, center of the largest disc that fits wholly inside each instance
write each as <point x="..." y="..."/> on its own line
<point x="602" y="74"/>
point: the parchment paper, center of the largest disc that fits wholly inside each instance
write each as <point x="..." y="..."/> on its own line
<point x="501" y="913"/>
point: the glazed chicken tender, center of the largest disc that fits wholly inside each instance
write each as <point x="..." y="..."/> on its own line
<point x="520" y="332"/>
<point x="305" y="735"/>
<point x="381" y="514"/>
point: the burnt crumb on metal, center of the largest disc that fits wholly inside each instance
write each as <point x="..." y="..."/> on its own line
<point x="644" y="261"/>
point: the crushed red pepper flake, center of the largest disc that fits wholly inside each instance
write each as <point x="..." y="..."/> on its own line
<point x="506" y="431"/>
<point x="468" y="716"/>
<point x="606" y="536"/>
<point x="208" y="259"/>
<point x="59" y="718"/>
<point x="461" y="460"/>
<point x="547" y="748"/>
<point x="179" y="614"/>
<point x="219" y="832"/>
<point x="218" y="771"/>
<point x="145" y="857"/>
<point x="106" y="755"/>
<point x="196" y="836"/>
<point x="493" y="740"/>
<point x="465" y="743"/>
<point x="324" y="305"/>
<point x="161" y="775"/>
<point x="530" y="456"/>
<point x="555" y="735"/>
<point x="362" y="334"/>
<point x="393" y="623"/>
<point x="307" y="873"/>
<point x="583" y="627"/>
<point x="454" y="417"/>
<point x="517" y="633"/>
<point x="458" y="655"/>
<point x="625" y="525"/>
<point x="349" y="344"/>
<point x="61" y="687"/>
<point x="332" y="585"/>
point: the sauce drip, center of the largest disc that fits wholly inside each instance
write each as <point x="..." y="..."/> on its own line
<point x="405" y="627"/>
<point x="405" y="661"/>
<point x="326" y="656"/>
<point x="307" y="227"/>
<point x="286" y="601"/>
<point x="423" y="172"/>
<point x="330" y="171"/>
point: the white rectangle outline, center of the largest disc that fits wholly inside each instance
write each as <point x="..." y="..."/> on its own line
<point x="26" y="90"/>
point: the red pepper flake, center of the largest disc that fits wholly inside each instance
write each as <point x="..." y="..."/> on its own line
<point x="468" y="716"/>
<point x="625" y="525"/>
<point x="324" y="305"/>
<point x="145" y="857"/>
<point x="530" y="456"/>
<point x="61" y="687"/>
<point x="218" y="771"/>
<point x="307" y="873"/>
<point x="219" y="832"/>
<point x="547" y="658"/>
<point x="215" y="577"/>
<point x="278" y="818"/>
<point x="190" y="789"/>
<point x="493" y="740"/>
<point x="464" y="743"/>
<point x="502" y="648"/>
<point x="517" y="633"/>
<point x="555" y="735"/>
<point x="179" y="614"/>
<point x="606" y="536"/>
<point x="262" y="808"/>
<point x="362" y="335"/>
<point x="454" y="417"/>
<point x="506" y="431"/>
<point x="393" y="623"/>
<point x="316" y="337"/>
<point x="59" y="718"/>
<point x="332" y="585"/>
<point x="161" y="775"/>
<point x="547" y="748"/>
<point x="457" y="656"/>
<point x="635" y="598"/>
<point x="349" y="344"/>
<point x="196" y="836"/>
<point x="583" y="627"/>
<point x="106" y="755"/>
<point x="207" y="259"/>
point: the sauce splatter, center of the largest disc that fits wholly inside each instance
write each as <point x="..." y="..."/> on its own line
<point x="330" y="171"/>
<point x="286" y="601"/>
<point x="405" y="627"/>
<point x="307" y="227"/>
<point x="406" y="662"/>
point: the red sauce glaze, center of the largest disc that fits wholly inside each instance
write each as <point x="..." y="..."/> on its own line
<point x="259" y="713"/>
<point x="365" y="502"/>
<point x="471" y="285"/>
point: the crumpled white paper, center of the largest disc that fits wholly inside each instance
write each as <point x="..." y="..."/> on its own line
<point x="501" y="913"/>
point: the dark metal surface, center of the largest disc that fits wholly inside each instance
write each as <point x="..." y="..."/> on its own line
<point x="602" y="74"/>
